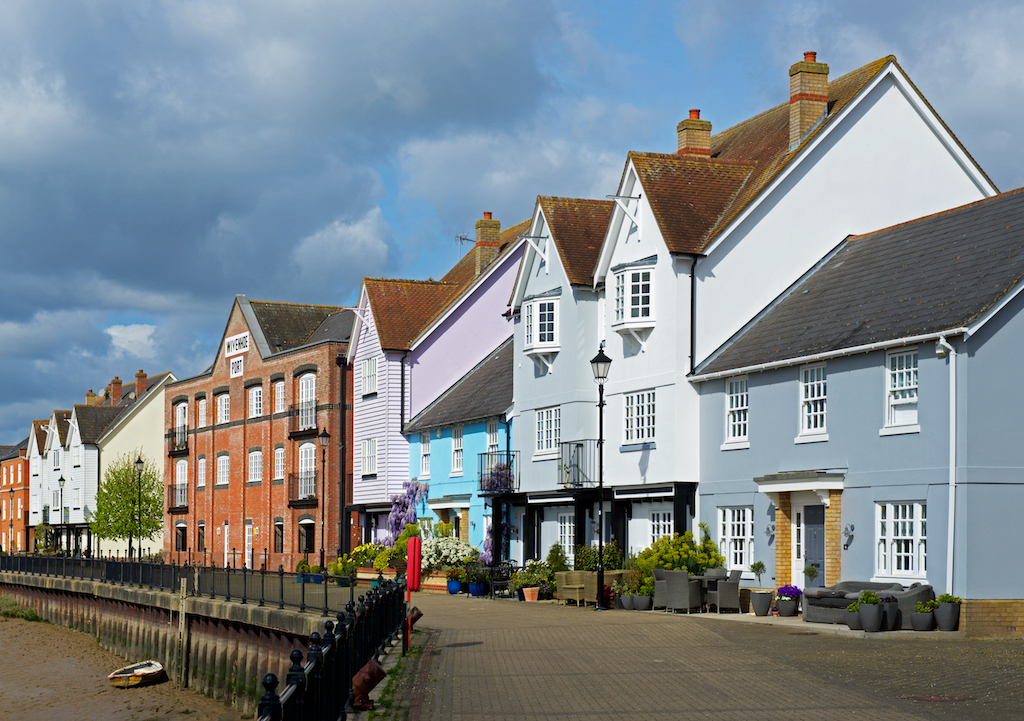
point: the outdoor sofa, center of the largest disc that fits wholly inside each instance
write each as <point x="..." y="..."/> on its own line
<point x="828" y="605"/>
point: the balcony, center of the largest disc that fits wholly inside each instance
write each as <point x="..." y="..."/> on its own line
<point x="498" y="472"/>
<point x="177" y="498"/>
<point x="302" y="419"/>
<point x="302" y="488"/>
<point x="177" y="441"/>
<point x="577" y="466"/>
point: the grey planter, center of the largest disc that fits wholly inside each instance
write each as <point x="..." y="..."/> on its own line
<point x="853" y="620"/>
<point x="787" y="608"/>
<point x="947" y="616"/>
<point x="871" y="617"/>
<point x="761" y="602"/>
<point x="922" y="621"/>
<point x="890" y="616"/>
<point x="641" y="603"/>
<point x="626" y="601"/>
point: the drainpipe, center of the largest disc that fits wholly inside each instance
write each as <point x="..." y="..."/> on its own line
<point x="951" y="351"/>
<point x="693" y="312"/>
<point x="343" y="515"/>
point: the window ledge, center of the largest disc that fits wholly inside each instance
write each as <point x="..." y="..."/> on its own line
<point x="371" y="394"/>
<point x="219" y="486"/>
<point x="542" y="349"/>
<point x="546" y="456"/>
<point x="811" y="438"/>
<point x="734" y="445"/>
<point x="453" y="474"/>
<point x="629" y="447"/>
<point x="899" y="430"/>
<point x="625" y="325"/>
<point x="905" y="580"/>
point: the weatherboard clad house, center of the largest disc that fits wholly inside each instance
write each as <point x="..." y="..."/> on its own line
<point x="460" y="443"/>
<point x="697" y="243"/>
<point x="412" y="340"/>
<point x="555" y="309"/>
<point x="14" y="518"/>
<point x="864" y="420"/>
<point x="248" y="480"/>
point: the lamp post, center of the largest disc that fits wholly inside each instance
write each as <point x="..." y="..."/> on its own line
<point x="324" y="438"/>
<point x="139" y="464"/>
<point x="60" y="516"/>
<point x="600" y="365"/>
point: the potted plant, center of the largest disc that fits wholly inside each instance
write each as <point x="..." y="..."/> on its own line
<point x="812" y="573"/>
<point x="947" y="613"/>
<point x="477" y="581"/>
<point x="642" y="601"/>
<point x="619" y="590"/>
<point x="455" y="578"/>
<point x="302" y="571"/>
<point x="923" y="617"/>
<point x="788" y="600"/>
<point x="534" y="575"/>
<point x="314" y="574"/>
<point x="870" y="611"/>
<point x="853" y="617"/>
<point x="760" y="601"/>
<point x="890" y="613"/>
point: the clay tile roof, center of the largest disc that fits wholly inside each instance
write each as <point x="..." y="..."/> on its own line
<point x="38" y="429"/>
<point x="464" y="272"/>
<point x="401" y="308"/>
<point x="577" y="228"/>
<point x="62" y="418"/>
<point x="688" y="196"/>
<point x="93" y="420"/>
<point x="933" y="274"/>
<point x="289" y="324"/>
<point x="484" y="392"/>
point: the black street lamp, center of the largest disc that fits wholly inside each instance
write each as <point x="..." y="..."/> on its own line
<point x="60" y="517"/>
<point x="324" y="438"/>
<point x="139" y="464"/>
<point x="600" y="365"/>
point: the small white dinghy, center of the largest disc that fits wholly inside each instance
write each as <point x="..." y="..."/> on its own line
<point x="138" y="674"/>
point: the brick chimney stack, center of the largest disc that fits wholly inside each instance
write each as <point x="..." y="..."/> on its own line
<point x="808" y="96"/>
<point x="488" y="241"/>
<point x="115" y="391"/>
<point x="140" y="384"/>
<point x="91" y="399"/>
<point x="694" y="137"/>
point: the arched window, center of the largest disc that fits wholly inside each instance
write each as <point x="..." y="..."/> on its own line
<point x="307" y="401"/>
<point x="307" y="470"/>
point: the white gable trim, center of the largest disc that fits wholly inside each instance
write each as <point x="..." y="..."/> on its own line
<point x="359" y="321"/>
<point x="628" y="188"/>
<point x="891" y="71"/>
<point x="529" y="254"/>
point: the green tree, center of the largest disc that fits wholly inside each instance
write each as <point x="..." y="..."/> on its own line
<point x="117" y="500"/>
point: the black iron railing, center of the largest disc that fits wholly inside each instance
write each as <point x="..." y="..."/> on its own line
<point x="302" y="488"/>
<point x="177" y="441"/>
<point x="577" y="465"/>
<point x="302" y="418"/>
<point x="498" y="472"/>
<point x="177" y="498"/>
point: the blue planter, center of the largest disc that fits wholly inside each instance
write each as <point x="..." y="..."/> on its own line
<point x="454" y="587"/>
<point x="477" y="588"/>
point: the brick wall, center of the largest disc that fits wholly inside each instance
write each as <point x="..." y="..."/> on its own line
<point x="833" y="539"/>
<point x="783" y="549"/>
<point x="1001" y="618"/>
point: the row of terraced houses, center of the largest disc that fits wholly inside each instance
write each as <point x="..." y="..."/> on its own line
<point x="811" y="321"/>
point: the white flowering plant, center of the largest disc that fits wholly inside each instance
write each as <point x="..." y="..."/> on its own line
<point x="437" y="553"/>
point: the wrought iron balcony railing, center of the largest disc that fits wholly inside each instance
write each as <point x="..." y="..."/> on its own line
<point x="302" y="488"/>
<point x="177" y="498"/>
<point x="498" y="472"/>
<point x="302" y="418"/>
<point x="177" y="441"/>
<point x="577" y="465"/>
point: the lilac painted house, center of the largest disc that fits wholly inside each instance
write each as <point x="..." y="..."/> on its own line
<point x="412" y="341"/>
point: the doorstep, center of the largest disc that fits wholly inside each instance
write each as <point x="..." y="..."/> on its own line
<point x="796" y="624"/>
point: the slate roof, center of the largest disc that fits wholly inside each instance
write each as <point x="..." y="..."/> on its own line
<point x="577" y="228"/>
<point x="693" y="205"/>
<point x="933" y="274"/>
<point x="5" y="451"/>
<point x="484" y="392"/>
<point x="336" y="327"/>
<point x="39" y="430"/>
<point x="12" y="451"/>
<point x="291" y="324"/>
<point x="93" y="420"/>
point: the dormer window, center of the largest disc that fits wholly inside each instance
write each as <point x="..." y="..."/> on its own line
<point x="540" y="329"/>
<point x="634" y="300"/>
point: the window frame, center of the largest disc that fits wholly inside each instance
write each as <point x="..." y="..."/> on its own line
<point x="737" y="413"/>
<point x="639" y="413"/>
<point x="223" y="408"/>
<point x="567" y="535"/>
<point x="223" y="471"/>
<point x="307" y="401"/>
<point x="736" y="536"/>
<point x="425" y="455"/>
<point x="369" y="375"/>
<point x="901" y="413"/>
<point x="457" y="452"/>
<point x="661" y="524"/>
<point x="201" y="473"/>
<point x="891" y="533"/>
<point x="629" y="297"/>
<point x="307" y="471"/>
<point x="279" y="397"/>
<point x="279" y="463"/>
<point x="201" y="413"/>
<point x="548" y="438"/>
<point x="256" y="401"/>
<point x="255" y="466"/>
<point x="532" y="325"/>
<point x="811" y="414"/>
<point x="201" y="538"/>
<point x="368" y="453"/>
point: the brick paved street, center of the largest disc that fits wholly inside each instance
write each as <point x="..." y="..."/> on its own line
<point x="493" y="659"/>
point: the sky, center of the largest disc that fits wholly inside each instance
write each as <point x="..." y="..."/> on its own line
<point x="159" y="157"/>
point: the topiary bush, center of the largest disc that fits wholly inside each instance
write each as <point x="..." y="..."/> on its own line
<point x="556" y="559"/>
<point x="585" y="558"/>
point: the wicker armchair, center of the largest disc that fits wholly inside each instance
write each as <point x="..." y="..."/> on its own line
<point x="570" y="586"/>
<point x="675" y="590"/>
<point x="724" y="593"/>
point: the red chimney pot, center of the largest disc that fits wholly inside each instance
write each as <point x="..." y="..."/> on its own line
<point x="695" y="114"/>
<point x="811" y="56"/>
<point x="487" y="215"/>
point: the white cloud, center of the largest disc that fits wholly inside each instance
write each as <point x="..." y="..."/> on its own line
<point x="341" y="252"/>
<point x="132" y="339"/>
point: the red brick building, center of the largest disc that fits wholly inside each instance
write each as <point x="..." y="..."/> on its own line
<point x="247" y="475"/>
<point x="14" y="498"/>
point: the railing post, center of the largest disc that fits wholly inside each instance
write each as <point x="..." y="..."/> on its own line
<point x="244" y="585"/>
<point x="263" y="581"/>
<point x="302" y="591"/>
<point x="313" y="695"/>
<point x="280" y="599"/>
<point x="349" y="669"/>
<point x="329" y="694"/>
<point x="228" y="571"/>
<point x="270" y="703"/>
<point x="292" y="710"/>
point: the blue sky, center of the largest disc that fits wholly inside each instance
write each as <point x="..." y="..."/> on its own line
<point x="156" y="158"/>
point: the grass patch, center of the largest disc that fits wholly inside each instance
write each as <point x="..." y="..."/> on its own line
<point x="9" y="608"/>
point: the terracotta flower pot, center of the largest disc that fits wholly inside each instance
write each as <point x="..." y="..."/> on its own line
<point x="531" y="593"/>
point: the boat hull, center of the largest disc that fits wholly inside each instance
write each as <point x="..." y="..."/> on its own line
<point x="138" y="674"/>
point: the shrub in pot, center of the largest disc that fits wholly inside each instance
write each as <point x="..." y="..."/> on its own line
<point x="870" y="611"/>
<point x="642" y="601"/>
<point x="760" y="601"/>
<point x="947" y="613"/>
<point x="788" y="600"/>
<point x="853" y="617"/>
<point x="923" y="617"/>
<point x="811" y="572"/>
<point x="890" y="613"/>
